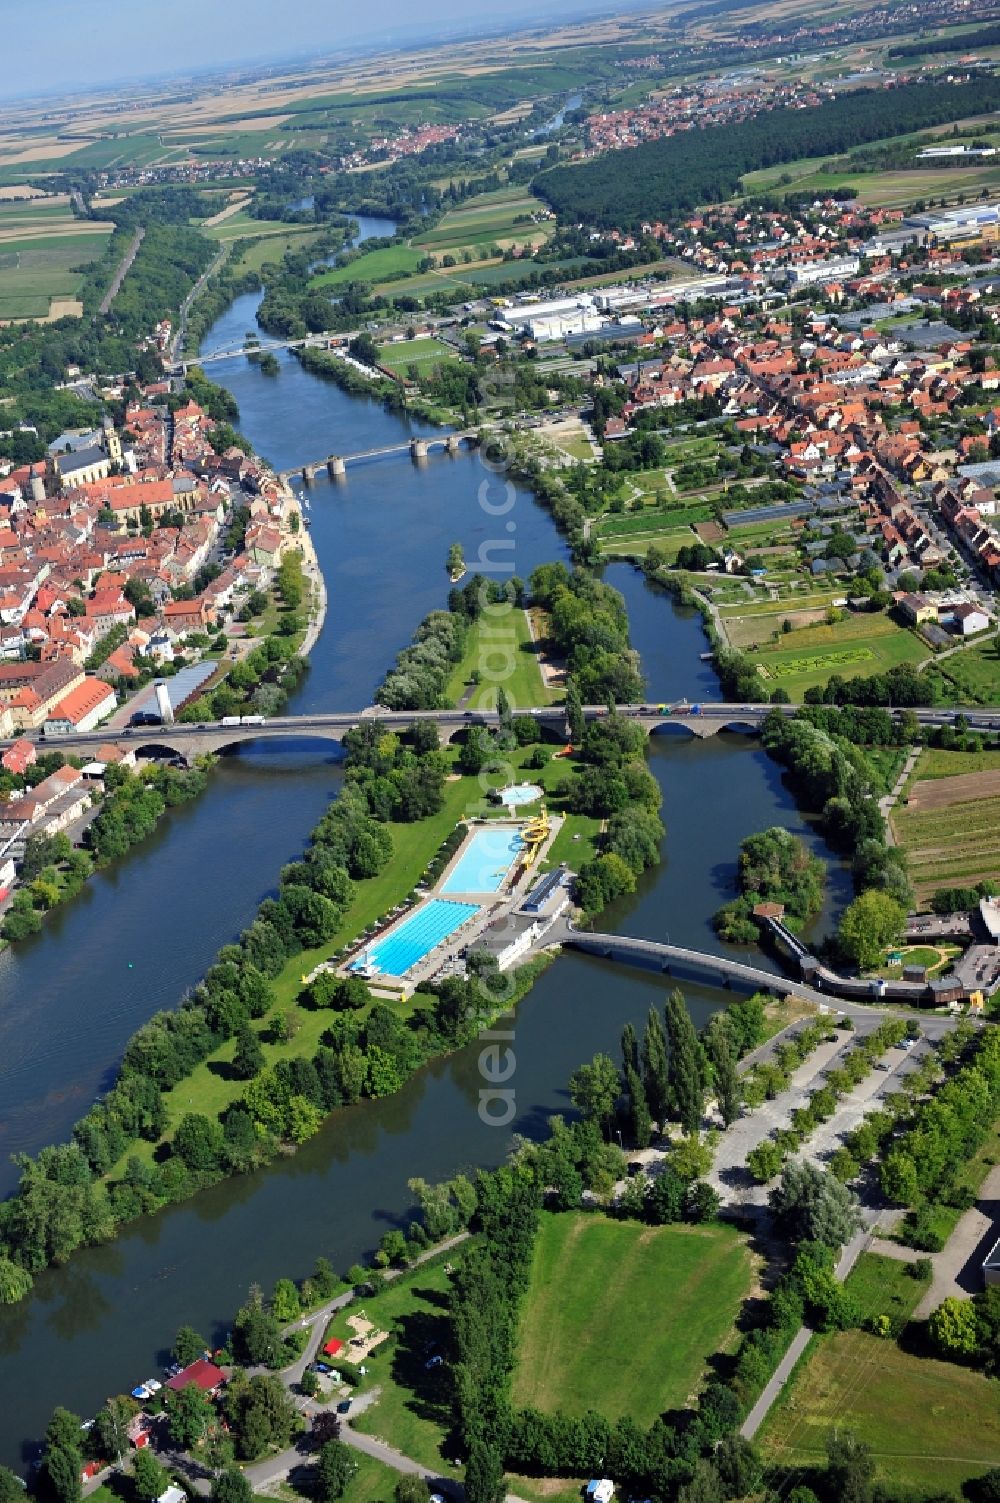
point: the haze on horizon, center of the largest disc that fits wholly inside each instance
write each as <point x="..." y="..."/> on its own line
<point x="75" y="46"/>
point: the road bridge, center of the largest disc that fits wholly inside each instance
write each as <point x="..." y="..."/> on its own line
<point x="188" y="740"/>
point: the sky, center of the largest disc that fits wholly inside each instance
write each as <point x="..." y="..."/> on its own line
<point x="50" y="46"/>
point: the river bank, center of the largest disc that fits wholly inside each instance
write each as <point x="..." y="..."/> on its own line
<point x="380" y="538"/>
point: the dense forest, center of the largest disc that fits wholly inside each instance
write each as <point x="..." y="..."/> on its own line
<point x="952" y="41"/>
<point x="664" y="178"/>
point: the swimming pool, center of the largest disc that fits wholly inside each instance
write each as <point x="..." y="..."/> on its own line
<point x="520" y="793"/>
<point x="485" y="862"/>
<point x="416" y="937"/>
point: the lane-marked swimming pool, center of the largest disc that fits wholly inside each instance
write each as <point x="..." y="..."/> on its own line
<point x="485" y="862"/>
<point x="415" y="937"/>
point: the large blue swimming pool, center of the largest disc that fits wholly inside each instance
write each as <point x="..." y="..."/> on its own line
<point x="485" y="862"/>
<point x="416" y="936"/>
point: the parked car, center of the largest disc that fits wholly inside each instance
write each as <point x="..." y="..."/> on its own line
<point x="344" y="1407"/>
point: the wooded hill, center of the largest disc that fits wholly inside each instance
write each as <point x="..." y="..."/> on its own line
<point x="660" y="179"/>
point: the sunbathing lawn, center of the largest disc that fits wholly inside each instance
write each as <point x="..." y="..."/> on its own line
<point x="930" y="1424"/>
<point x="502" y="651"/>
<point x="622" y="1318"/>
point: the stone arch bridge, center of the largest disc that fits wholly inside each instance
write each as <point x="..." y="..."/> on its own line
<point x="188" y="741"/>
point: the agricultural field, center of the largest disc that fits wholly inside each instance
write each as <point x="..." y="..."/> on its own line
<point x="43" y="273"/>
<point x="930" y="1424"/>
<point x="486" y="222"/>
<point x="273" y="248"/>
<point x="375" y="266"/>
<point x="949" y="826"/>
<point x="622" y="1318"/>
<point x="860" y="644"/>
<point x="667" y="540"/>
<point x="425" y="354"/>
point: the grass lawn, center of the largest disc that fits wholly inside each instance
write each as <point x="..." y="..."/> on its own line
<point x="638" y="544"/>
<point x="415" y="1411"/>
<point x="503" y="653"/>
<point x="374" y="266"/>
<point x="935" y="762"/>
<point x="622" y="1318"/>
<point x="425" y="354"/>
<point x="884" y="1286"/>
<point x="972" y="676"/>
<point x="273" y="248"/>
<point x="860" y="644"/>
<point x="930" y="1424"/>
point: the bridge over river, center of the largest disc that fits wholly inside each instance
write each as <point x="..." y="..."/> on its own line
<point x="418" y="447"/>
<point x="188" y="741"/>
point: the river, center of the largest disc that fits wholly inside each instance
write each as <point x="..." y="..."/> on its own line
<point x="146" y="930"/>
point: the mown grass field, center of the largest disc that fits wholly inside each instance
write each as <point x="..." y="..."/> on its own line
<point x="621" y="1317"/>
<point x="932" y="1425"/>
<point x="414" y="1411"/>
<point x="426" y="354"/>
<point x="35" y="270"/>
<point x="272" y="248"/>
<point x="502" y="652"/>
<point x="860" y="644"/>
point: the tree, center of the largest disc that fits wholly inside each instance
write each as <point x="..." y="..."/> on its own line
<point x="953" y="1328"/>
<point x="640" y="1127"/>
<point x="727" y="1081"/>
<point x="188" y="1346"/>
<point x="813" y="1206"/>
<point x="15" y="1281"/>
<point x="12" y="1489"/>
<point x="231" y="1486"/>
<point x="62" y="1458"/>
<point x="256" y="1335"/>
<point x="248" y="1059"/>
<point x="685" y="1064"/>
<point x="285" y="1305"/>
<point x="410" y="1489"/>
<point x="654" y="1066"/>
<point x="594" y="1090"/>
<point x="148" y="1476"/>
<point x="111" y="1428"/>
<point x="189" y="1413"/>
<point x="870" y="925"/>
<point x="849" y="1468"/>
<point x="334" y="1470"/>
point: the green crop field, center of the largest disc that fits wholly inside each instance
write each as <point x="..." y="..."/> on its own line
<point x="930" y="1425"/>
<point x="426" y="354"/>
<point x="35" y="270"/>
<point x="622" y="1318"/>
<point x="375" y="266"/>
<point x="860" y="644"/>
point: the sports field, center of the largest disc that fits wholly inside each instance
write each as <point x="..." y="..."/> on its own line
<point x="622" y="1318"/>
<point x="38" y="269"/>
<point x="425" y="354"/>
<point x="930" y="1424"/>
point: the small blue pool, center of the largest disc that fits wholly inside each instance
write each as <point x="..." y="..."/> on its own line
<point x="485" y="862"/>
<point x="520" y="793"/>
<point x="416" y="937"/>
